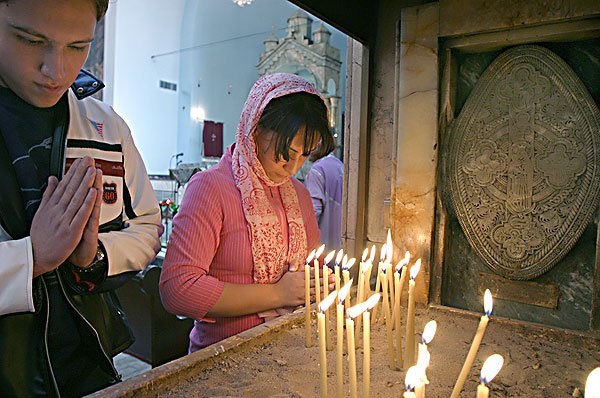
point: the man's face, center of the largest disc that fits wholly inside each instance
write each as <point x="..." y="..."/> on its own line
<point x="43" y="45"/>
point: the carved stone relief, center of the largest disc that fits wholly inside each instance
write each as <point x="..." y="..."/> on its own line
<point x="523" y="162"/>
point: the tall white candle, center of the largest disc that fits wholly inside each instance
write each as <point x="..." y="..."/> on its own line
<point x="346" y="265"/>
<point x="369" y="303"/>
<point x="339" y="367"/>
<point x="464" y="372"/>
<point x="322" y="308"/>
<point x="385" y="274"/>
<point x="351" y="356"/>
<point x="307" y="325"/>
<point x="409" y="356"/>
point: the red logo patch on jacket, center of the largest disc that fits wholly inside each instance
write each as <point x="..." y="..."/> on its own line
<point x="109" y="194"/>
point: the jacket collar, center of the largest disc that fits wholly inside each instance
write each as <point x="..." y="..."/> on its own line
<point x="86" y="84"/>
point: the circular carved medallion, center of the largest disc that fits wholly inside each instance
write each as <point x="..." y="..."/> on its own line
<point x="523" y="162"/>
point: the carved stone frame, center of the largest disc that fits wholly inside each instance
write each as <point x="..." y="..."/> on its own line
<point x="563" y="31"/>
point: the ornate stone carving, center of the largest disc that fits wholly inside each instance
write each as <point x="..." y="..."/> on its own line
<point x="523" y="162"/>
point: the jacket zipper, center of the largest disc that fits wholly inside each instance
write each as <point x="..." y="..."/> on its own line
<point x="108" y="359"/>
<point x="54" y="384"/>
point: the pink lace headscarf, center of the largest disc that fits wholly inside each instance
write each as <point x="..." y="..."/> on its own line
<point x="270" y="253"/>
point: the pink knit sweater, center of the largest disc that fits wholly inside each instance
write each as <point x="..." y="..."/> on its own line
<point x="210" y="245"/>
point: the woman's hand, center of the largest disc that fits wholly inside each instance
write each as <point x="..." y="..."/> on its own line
<point x="292" y="287"/>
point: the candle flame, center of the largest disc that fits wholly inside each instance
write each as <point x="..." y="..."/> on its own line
<point x="356" y="310"/>
<point x="488" y="302"/>
<point x="350" y="263"/>
<point x="339" y="256"/>
<point x="327" y="301"/>
<point x="329" y="257"/>
<point x="592" y="384"/>
<point x="429" y="332"/>
<point x="372" y="256"/>
<point x="415" y="269"/>
<point x="407" y="256"/>
<point x="390" y="247"/>
<point x="310" y="256"/>
<point x="372" y="301"/>
<point x="319" y="251"/>
<point x="491" y="367"/>
<point x="412" y="378"/>
<point x="382" y="253"/>
<point x="344" y="291"/>
<point x="365" y="254"/>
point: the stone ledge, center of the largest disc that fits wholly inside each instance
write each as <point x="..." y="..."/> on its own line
<point x="169" y="374"/>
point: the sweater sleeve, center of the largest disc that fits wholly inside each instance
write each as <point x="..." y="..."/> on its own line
<point x="185" y="286"/>
<point x="315" y="183"/>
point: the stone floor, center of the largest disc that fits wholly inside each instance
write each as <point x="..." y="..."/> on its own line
<point x="130" y="366"/>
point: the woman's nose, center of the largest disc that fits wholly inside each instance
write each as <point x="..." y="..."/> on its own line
<point x="293" y="165"/>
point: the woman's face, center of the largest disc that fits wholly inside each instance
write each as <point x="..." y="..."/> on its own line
<point x="279" y="170"/>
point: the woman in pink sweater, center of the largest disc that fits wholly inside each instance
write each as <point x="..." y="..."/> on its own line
<point x="245" y="222"/>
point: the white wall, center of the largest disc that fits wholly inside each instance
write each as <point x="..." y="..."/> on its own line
<point x="210" y="48"/>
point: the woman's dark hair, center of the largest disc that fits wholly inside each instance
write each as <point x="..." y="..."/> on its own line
<point x="286" y="115"/>
<point x="101" y="7"/>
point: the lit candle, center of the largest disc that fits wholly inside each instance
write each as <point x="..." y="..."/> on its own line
<point x="490" y="369"/>
<point x="488" y="306"/>
<point x="318" y="253"/>
<point x="370" y="303"/>
<point x="592" y="384"/>
<point x="317" y="282"/>
<point x="412" y="376"/>
<point x="325" y="293"/>
<point x="367" y="278"/>
<point x="351" y="354"/>
<point x="336" y="270"/>
<point x="376" y="318"/>
<point x="360" y="293"/>
<point x="339" y="367"/>
<point x="424" y="357"/>
<point x="389" y="253"/>
<point x="323" y="307"/>
<point x="307" y="298"/>
<point x="401" y="265"/>
<point x="398" y="283"/>
<point x="346" y="265"/>
<point x="361" y="277"/>
<point x="409" y="357"/>
<point x="386" y="314"/>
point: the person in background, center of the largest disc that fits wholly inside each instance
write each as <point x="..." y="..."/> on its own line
<point x="324" y="182"/>
<point x="77" y="210"/>
<point x="245" y="222"/>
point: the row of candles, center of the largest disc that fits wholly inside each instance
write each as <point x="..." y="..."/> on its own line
<point x="388" y="293"/>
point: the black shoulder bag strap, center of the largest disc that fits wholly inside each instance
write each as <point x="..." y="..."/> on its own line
<point x="57" y="152"/>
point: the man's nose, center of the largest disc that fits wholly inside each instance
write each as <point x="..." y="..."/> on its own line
<point x="53" y="65"/>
